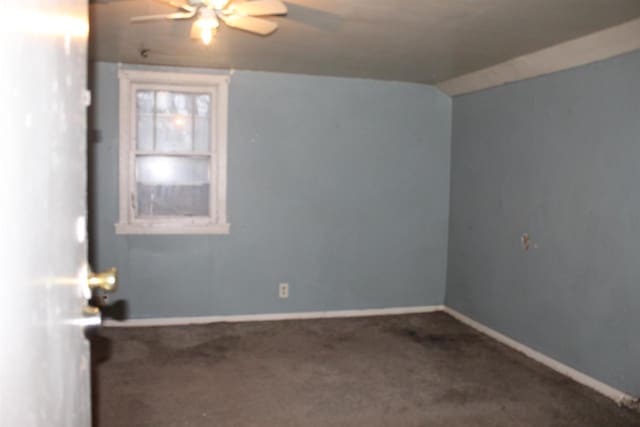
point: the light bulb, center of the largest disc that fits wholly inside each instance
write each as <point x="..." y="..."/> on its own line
<point x="206" y="35"/>
<point x="206" y="26"/>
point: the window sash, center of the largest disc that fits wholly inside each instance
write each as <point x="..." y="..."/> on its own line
<point x="176" y="183"/>
<point x="194" y="122"/>
<point x="194" y="90"/>
<point x="188" y="219"/>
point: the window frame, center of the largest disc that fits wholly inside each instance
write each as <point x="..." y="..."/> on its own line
<point x="217" y="87"/>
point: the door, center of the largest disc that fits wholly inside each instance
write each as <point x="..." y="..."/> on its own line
<point x="44" y="360"/>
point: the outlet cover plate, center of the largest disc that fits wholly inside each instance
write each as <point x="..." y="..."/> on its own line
<point x="283" y="290"/>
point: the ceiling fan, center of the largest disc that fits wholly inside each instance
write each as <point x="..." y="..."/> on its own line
<point x="235" y="14"/>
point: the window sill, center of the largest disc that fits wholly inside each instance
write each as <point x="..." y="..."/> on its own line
<point x="123" y="228"/>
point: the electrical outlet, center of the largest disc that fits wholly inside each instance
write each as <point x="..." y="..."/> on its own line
<point x="283" y="290"/>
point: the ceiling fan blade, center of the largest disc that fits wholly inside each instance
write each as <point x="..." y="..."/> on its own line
<point x="177" y="15"/>
<point x="250" y="24"/>
<point x="260" y="8"/>
<point x="178" y="5"/>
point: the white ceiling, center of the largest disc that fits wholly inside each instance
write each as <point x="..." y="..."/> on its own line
<point x="424" y="41"/>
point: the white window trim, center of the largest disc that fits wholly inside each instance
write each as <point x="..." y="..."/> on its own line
<point x="130" y="80"/>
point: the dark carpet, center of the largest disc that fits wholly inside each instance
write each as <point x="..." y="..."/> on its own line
<point x="414" y="370"/>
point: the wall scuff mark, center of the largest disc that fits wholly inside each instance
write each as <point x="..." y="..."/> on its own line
<point x="527" y="243"/>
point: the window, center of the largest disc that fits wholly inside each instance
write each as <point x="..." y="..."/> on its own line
<point x="173" y="153"/>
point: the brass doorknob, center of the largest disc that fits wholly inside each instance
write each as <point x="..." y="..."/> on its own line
<point x="106" y="280"/>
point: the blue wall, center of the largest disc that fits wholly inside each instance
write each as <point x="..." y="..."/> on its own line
<point x="557" y="157"/>
<point x="339" y="187"/>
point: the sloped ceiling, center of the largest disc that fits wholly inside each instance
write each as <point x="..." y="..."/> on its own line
<point x="425" y="41"/>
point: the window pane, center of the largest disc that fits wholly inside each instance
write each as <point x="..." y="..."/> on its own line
<point x="202" y="105"/>
<point x="172" y="186"/>
<point x="144" y="101"/>
<point x="202" y="123"/>
<point x="174" y="103"/>
<point x="202" y="138"/>
<point x="174" y="133"/>
<point x="144" y="114"/>
<point x="144" y="134"/>
<point x="174" y="121"/>
<point x="163" y="102"/>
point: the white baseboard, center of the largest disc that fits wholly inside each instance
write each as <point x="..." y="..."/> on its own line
<point x="173" y="321"/>
<point x="620" y="397"/>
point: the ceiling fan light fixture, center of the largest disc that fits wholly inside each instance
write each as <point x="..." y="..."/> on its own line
<point x="206" y="35"/>
<point x="205" y="27"/>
